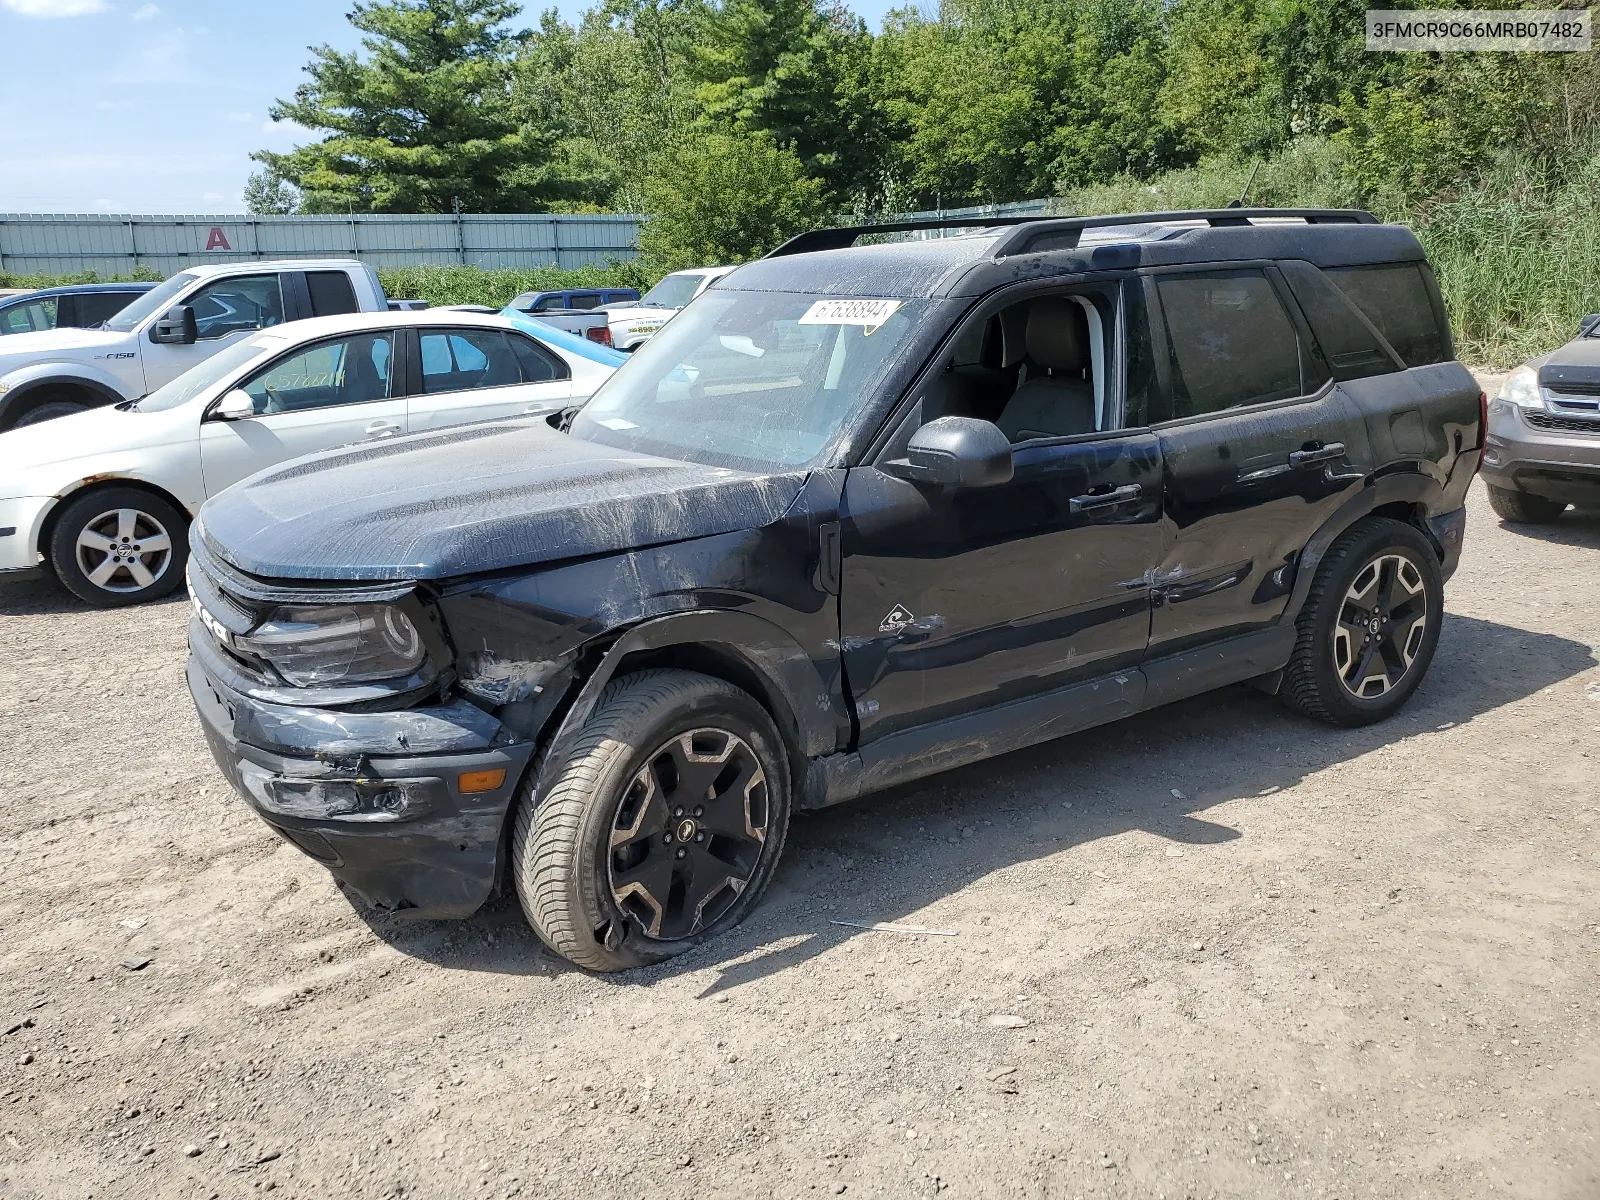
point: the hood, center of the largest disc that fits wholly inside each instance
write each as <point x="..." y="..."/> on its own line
<point x="476" y="498"/>
<point x="1575" y="365"/>
<point x="19" y="349"/>
<point x="90" y="443"/>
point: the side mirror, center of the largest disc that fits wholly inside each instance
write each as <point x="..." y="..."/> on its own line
<point x="176" y="326"/>
<point x="236" y="405"/>
<point x="1588" y="324"/>
<point x="961" y="452"/>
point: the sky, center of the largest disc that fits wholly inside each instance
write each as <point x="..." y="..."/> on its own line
<point x="153" y="106"/>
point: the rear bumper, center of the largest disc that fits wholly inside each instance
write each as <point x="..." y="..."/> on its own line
<point x="1557" y="464"/>
<point x="420" y="847"/>
<point x="1449" y="531"/>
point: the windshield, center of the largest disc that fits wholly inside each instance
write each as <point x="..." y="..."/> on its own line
<point x="755" y="380"/>
<point x="191" y="383"/>
<point x="153" y="301"/>
<point x="672" y="292"/>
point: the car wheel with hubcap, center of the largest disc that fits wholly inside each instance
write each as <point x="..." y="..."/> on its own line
<point x="118" y="546"/>
<point x="661" y="828"/>
<point x="1369" y="626"/>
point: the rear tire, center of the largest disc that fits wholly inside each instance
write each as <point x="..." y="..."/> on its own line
<point x="1369" y="627"/>
<point x="1524" y="508"/>
<point x="116" y="546"/>
<point x="660" y="830"/>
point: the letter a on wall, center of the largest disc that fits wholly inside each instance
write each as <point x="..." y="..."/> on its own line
<point x="217" y="239"/>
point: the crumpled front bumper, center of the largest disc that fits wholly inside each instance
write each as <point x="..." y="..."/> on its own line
<point x="424" y="848"/>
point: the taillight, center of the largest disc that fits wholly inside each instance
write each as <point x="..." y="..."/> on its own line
<point x="600" y="333"/>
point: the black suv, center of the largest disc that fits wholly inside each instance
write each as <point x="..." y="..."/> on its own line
<point x="858" y="515"/>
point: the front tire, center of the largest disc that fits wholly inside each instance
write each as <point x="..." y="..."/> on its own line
<point x="118" y="546"/>
<point x="1524" y="508"/>
<point x="1369" y="627"/>
<point x="662" y="827"/>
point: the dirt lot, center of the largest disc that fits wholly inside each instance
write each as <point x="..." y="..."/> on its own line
<point x="1246" y="956"/>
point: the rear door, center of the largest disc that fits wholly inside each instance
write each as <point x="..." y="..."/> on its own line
<point x="466" y="374"/>
<point x="317" y="397"/>
<point x="1259" y="448"/>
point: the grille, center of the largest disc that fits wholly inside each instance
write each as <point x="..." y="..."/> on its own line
<point x="1543" y="420"/>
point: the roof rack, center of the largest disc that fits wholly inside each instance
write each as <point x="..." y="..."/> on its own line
<point x="1063" y="232"/>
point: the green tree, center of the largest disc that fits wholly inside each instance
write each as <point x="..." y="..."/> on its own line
<point x="722" y="198"/>
<point x="266" y="194"/>
<point x="423" y="122"/>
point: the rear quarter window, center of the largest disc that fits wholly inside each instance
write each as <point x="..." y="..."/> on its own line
<point x="1397" y="299"/>
<point x="1349" y="338"/>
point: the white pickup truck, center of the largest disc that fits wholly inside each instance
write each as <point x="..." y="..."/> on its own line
<point x="170" y="329"/>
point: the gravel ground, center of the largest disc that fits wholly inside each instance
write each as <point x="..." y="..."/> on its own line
<point x="1214" y="950"/>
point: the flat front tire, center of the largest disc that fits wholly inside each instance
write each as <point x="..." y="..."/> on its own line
<point x="1369" y="627"/>
<point x="661" y="828"/>
<point x="119" y="545"/>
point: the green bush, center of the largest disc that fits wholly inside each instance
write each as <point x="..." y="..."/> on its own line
<point x="474" y="285"/>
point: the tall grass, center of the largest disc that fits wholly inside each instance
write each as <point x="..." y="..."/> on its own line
<point x="1517" y="251"/>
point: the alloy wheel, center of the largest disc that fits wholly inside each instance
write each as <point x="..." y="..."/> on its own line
<point x="1381" y="625"/>
<point x="688" y="833"/>
<point x="124" y="550"/>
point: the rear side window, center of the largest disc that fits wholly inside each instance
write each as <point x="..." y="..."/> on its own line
<point x="1230" y="341"/>
<point x="1353" y="346"/>
<point x="586" y="300"/>
<point x="460" y="360"/>
<point x="331" y="293"/>
<point x="538" y="364"/>
<point x="29" y="318"/>
<point x="1396" y="298"/>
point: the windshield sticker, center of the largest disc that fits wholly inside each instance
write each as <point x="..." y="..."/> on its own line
<point x="868" y="313"/>
<point x="616" y="423"/>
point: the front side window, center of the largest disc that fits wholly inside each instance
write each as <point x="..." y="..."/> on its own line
<point x="459" y="360"/>
<point x="1396" y="299"/>
<point x="230" y="305"/>
<point x="550" y="304"/>
<point x="1230" y="340"/>
<point x="29" y="318"/>
<point x="755" y="380"/>
<point x="158" y="299"/>
<point x="352" y="370"/>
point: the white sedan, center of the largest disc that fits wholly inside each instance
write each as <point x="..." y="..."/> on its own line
<point x="103" y="498"/>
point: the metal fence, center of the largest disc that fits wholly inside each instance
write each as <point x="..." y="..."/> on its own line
<point x="47" y="244"/>
<point x="121" y="245"/>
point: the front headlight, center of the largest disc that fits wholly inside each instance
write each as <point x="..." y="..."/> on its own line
<point x="346" y="643"/>
<point x="1522" y="389"/>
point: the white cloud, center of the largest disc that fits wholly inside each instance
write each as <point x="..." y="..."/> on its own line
<point x="144" y="12"/>
<point x="55" y="8"/>
<point x="243" y="118"/>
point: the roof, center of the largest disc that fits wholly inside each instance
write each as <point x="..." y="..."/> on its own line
<point x="204" y="270"/>
<point x="978" y="262"/>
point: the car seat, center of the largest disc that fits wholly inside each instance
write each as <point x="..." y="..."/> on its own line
<point x="1056" y="398"/>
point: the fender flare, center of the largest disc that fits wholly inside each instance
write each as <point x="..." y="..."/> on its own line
<point x="788" y="675"/>
<point x="38" y="376"/>
<point x="1402" y="487"/>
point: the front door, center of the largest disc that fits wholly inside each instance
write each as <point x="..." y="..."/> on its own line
<point x="1259" y="450"/>
<point x="225" y="312"/>
<point x="318" y="397"/>
<point x="951" y="601"/>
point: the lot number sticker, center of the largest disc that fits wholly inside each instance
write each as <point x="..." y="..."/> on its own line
<point x="869" y="313"/>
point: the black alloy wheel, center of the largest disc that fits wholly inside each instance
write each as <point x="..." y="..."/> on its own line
<point x="688" y="833"/>
<point x="1369" y="626"/>
<point x="1381" y="625"/>
<point x="659" y="828"/>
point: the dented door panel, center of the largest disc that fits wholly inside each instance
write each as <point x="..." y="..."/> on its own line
<point x="956" y="600"/>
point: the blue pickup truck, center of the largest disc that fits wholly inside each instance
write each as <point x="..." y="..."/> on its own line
<point x="542" y="302"/>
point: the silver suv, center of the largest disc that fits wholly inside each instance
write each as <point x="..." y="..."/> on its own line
<point x="1543" y="451"/>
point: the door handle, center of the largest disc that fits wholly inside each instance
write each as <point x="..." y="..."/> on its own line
<point x="382" y="428"/>
<point x="1121" y="495"/>
<point x="1320" y="454"/>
